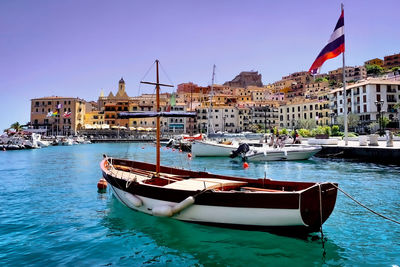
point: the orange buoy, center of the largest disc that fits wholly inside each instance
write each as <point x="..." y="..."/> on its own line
<point x="189" y="155"/>
<point x="245" y="165"/>
<point x="102" y="185"/>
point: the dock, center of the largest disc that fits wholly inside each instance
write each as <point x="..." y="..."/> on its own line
<point x="377" y="154"/>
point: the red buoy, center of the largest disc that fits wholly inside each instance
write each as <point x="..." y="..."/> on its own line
<point x="173" y="149"/>
<point x="142" y="147"/>
<point x="180" y="150"/>
<point x="189" y="155"/>
<point x="102" y="184"/>
<point x="245" y="165"/>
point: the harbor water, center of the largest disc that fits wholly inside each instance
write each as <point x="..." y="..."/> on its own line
<point x="51" y="214"/>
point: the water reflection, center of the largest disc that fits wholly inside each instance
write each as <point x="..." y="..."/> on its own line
<point x="217" y="246"/>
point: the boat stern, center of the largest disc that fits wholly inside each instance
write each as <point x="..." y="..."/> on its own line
<point x="317" y="204"/>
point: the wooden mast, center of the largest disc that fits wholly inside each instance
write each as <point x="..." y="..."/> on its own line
<point x="158" y="120"/>
<point x="157" y="84"/>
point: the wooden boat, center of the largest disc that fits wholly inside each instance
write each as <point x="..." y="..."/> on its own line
<point x="201" y="197"/>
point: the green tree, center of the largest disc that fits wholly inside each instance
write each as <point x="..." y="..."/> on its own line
<point x="385" y="121"/>
<point x="306" y="124"/>
<point x="374" y="70"/>
<point x="332" y="82"/>
<point x="394" y="69"/>
<point x="335" y="130"/>
<point x="352" y="120"/>
<point x="321" y="79"/>
<point x="16" y="126"/>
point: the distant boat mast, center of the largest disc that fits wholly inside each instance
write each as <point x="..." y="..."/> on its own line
<point x="209" y="124"/>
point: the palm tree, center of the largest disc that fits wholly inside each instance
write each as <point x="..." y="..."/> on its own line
<point x="16" y="126"/>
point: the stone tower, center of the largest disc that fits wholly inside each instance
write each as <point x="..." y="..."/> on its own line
<point x="121" y="87"/>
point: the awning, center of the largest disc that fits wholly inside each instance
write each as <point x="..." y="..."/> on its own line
<point x="126" y="115"/>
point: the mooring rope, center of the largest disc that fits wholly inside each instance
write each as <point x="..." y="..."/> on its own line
<point x="365" y="207"/>
<point x="320" y="216"/>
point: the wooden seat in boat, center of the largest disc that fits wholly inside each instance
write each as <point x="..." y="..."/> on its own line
<point x="205" y="183"/>
<point x="260" y="189"/>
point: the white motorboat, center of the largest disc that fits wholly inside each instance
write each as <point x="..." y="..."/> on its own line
<point x="294" y="152"/>
<point x="67" y="142"/>
<point x="213" y="148"/>
<point x="37" y="139"/>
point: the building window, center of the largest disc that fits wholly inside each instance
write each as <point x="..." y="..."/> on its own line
<point x="378" y="88"/>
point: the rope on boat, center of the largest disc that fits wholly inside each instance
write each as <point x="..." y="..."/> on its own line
<point x="320" y="216"/>
<point x="365" y="207"/>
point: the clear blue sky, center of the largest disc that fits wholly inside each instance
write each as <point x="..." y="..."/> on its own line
<point x="75" y="48"/>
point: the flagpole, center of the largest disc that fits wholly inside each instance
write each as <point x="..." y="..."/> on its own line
<point x="344" y="97"/>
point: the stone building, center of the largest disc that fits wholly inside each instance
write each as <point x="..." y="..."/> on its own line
<point x="246" y="78"/>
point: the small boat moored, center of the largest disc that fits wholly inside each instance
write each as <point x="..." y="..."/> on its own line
<point x="202" y="197"/>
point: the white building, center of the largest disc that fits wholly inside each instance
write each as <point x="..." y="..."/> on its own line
<point x="366" y="97"/>
<point x="222" y="118"/>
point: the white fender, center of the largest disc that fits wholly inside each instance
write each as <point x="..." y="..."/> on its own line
<point x="137" y="202"/>
<point x="168" y="211"/>
<point x="183" y="204"/>
<point x="162" y="211"/>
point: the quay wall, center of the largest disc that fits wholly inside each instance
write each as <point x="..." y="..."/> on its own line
<point x="368" y="154"/>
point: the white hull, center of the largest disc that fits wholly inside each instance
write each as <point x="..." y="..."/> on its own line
<point x="210" y="149"/>
<point x="290" y="153"/>
<point x="217" y="214"/>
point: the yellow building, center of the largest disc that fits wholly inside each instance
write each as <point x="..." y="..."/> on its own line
<point x="302" y="110"/>
<point x="375" y="61"/>
<point x="94" y="120"/>
<point x="58" y="115"/>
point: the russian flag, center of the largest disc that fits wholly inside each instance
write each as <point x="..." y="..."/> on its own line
<point x="334" y="47"/>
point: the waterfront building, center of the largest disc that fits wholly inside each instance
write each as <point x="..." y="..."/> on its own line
<point x="178" y="125"/>
<point x="56" y="115"/>
<point x="391" y="61"/>
<point x="265" y="115"/>
<point x="300" y="109"/>
<point x="222" y="118"/>
<point x="368" y="99"/>
<point x="244" y="118"/>
<point x="94" y="120"/>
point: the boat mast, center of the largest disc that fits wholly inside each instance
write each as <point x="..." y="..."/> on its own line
<point x="157" y="84"/>
<point x="210" y="107"/>
<point x="158" y="120"/>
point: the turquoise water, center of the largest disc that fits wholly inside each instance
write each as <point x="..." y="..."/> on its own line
<point x="51" y="213"/>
